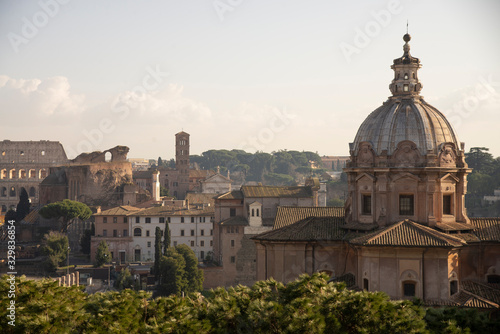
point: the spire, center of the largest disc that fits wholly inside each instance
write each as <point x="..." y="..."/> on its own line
<point x="405" y="82"/>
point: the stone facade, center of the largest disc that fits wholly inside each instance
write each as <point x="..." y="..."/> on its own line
<point x="25" y="164"/>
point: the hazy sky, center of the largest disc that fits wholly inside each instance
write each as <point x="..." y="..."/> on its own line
<point x="256" y="75"/>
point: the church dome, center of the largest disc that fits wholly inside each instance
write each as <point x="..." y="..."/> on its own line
<point x="405" y="119"/>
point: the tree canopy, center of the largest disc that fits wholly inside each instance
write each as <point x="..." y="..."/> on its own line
<point x="102" y="255"/>
<point x="55" y="247"/>
<point x="67" y="210"/>
<point x="23" y="207"/>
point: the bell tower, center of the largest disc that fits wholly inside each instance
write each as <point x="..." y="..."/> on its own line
<point x="182" y="163"/>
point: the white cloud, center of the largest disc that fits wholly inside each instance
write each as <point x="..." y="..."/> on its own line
<point x="35" y="99"/>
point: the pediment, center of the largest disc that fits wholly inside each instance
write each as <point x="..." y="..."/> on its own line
<point x="450" y="177"/>
<point x="370" y="177"/>
<point x="406" y="175"/>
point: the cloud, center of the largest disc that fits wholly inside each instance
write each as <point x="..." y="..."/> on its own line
<point x="37" y="99"/>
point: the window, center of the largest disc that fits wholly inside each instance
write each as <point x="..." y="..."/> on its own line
<point x="202" y="243"/>
<point x="104" y="233"/>
<point x="413" y="74"/>
<point x="202" y="232"/>
<point x="236" y="229"/>
<point x="125" y="233"/>
<point x="232" y="243"/>
<point x="182" y="233"/>
<point x="12" y="192"/>
<point x="192" y="243"/>
<point x="137" y="220"/>
<point x="253" y="212"/>
<point x="211" y="243"/>
<point x="192" y="219"/>
<point x="162" y="220"/>
<point x="192" y="233"/>
<point x="105" y="220"/>
<point x="409" y="289"/>
<point x="365" y="284"/>
<point x="137" y="232"/>
<point x="32" y="192"/>
<point x="366" y="204"/>
<point x="137" y="254"/>
<point x="168" y="219"/>
<point x="453" y="287"/>
<point x="211" y="232"/>
<point x="406" y="205"/>
<point x="182" y="219"/>
<point x="228" y="229"/>
<point x="4" y="192"/>
<point x="406" y="76"/>
<point x="149" y="243"/>
<point x="115" y="233"/>
<point x="148" y="220"/>
<point x="115" y="219"/>
<point x="405" y="88"/>
<point x="175" y="243"/>
<point x="447" y="205"/>
<point x="147" y="233"/>
<point x="125" y="220"/>
<point x="202" y="255"/>
<point x="257" y="212"/>
<point x="232" y="212"/>
<point x="233" y="259"/>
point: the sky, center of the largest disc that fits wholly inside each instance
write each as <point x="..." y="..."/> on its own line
<point x="238" y="74"/>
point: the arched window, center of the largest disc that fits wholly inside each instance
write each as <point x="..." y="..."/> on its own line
<point x="253" y="212"/>
<point x="406" y="76"/>
<point x="4" y="208"/>
<point x="257" y="213"/>
<point x="43" y="173"/>
<point x="32" y="173"/>
<point x="22" y="173"/>
<point x="137" y="232"/>
<point x="32" y="192"/>
<point x="409" y="288"/>
<point x="12" y="192"/>
<point x="4" y="192"/>
<point x="3" y="174"/>
<point x="12" y="174"/>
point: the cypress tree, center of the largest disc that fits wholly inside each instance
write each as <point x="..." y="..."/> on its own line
<point x="23" y="207"/>
<point x="157" y="252"/>
<point x="166" y="240"/>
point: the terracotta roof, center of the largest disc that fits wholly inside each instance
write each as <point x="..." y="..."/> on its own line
<point x="360" y="226"/>
<point x="408" y="233"/>
<point x="447" y="227"/>
<point x="164" y="211"/>
<point x="308" y="229"/>
<point x="235" y="221"/>
<point x="200" y="198"/>
<point x="287" y="215"/>
<point x="487" y="229"/>
<point x="484" y="291"/>
<point x="466" y="299"/>
<point x="235" y="194"/>
<point x="123" y="210"/>
<point x="276" y="191"/>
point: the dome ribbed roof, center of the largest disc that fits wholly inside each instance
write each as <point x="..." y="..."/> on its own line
<point x="398" y="120"/>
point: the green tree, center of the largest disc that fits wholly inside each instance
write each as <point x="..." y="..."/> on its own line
<point x="166" y="238"/>
<point x="102" y="255"/>
<point x="67" y="210"/>
<point x="125" y="280"/>
<point x="157" y="252"/>
<point x="23" y="207"/>
<point x="172" y="273"/>
<point x="55" y="247"/>
<point x="193" y="275"/>
<point x="86" y="239"/>
<point x="10" y="215"/>
<point x="163" y="191"/>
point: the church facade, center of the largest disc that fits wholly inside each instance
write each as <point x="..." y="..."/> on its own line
<point x="404" y="230"/>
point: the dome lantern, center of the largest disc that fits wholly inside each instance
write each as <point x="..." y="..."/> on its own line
<point x="405" y="82"/>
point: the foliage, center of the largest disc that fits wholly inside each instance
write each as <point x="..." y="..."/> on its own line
<point x="259" y="166"/>
<point x="157" y="252"/>
<point x="10" y="215"/>
<point x="336" y="202"/>
<point x="102" y="255"/>
<point x="125" y="280"/>
<point x="23" y="206"/>
<point x="56" y="249"/>
<point x="86" y="239"/>
<point x="307" y="305"/>
<point x="166" y="238"/>
<point x="67" y="210"/>
<point x="172" y="273"/>
<point x="193" y="275"/>
<point x="163" y="191"/>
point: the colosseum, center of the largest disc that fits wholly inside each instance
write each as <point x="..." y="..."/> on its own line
<point x="24" y="164"/>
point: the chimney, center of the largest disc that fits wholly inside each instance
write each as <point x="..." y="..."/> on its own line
<point x="187" y="204"/>
<point x="156" y="185"/>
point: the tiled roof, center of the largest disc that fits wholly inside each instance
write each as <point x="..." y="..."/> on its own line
<point x="308" y="229"/>
<point x="287" y="215"/>
<point x="447" y="227"/>
<point x="200" y="173"/>
<point x="235" y="221"/>
<point x="122" y="210"/>
<point x="484" y="291"/>
<point x="277" y="191"/>
<point x="408" y="233"/>
<point x="33" y="216"/>
<point x="235" y="194"/>
<point x="466" y="299"/>
<point x="360" y="226"/>
<point x="199" y="198"/>
<point x="164" y="211"/>
<point x="487" y="229"/>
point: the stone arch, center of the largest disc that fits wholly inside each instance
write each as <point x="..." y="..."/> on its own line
<point x="108" y="156"/>
<point x="3" y="192"/>
<point x="12" y="173"/>
<point x="42" y="173"/>
<point x="12" y="192"/>
<point x="32" y="192"/>
<point x="3" y="174"/>
<point x="137" y="232"/>
<point x="409" y="284"/>
<point x="32" y="174"/>
<point x="22" y="173"/>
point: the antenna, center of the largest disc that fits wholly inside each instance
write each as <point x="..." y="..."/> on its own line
<point x="406" y="26"/>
